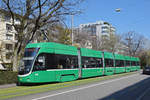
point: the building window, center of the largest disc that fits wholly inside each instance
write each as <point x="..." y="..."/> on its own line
<point x="93" y="30"/>
<point x="9" y="46"/>
<point x="104" y="31"/>
<point x="7" y="18"/>
<point x="8" y="55"/>
<point x="104" y="27"/>
<point x="17" y="19"/>
<point x="9" y="36"/>
<point x="8" y="27"/>
<point x="16" y="36"/>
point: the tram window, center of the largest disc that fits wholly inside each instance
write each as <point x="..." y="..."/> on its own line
<point x="51" y="61"/>
<point x="91" y="62"/>
<point x="39" y="63"/>
<point x="109" y="63"/>
<point x="55" y="61"/>
<point x="122" y="63"/>
<point x="138" y="63"/>
<point x="119" y="63"/>
<point x="59" y="61"/>
<point x="67" y="61"/>
<point x="127" y="63"/>
<point x="133" y="63"/>
<point x="99" y="62"/>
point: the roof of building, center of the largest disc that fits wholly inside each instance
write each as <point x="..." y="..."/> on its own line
<point x="96" y="23"/>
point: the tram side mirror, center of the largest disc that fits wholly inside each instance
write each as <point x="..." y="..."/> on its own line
<point x="21" y="65"/>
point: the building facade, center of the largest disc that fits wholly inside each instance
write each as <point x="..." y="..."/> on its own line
<point x="98" y="29"/>
<point x="95" y="31"/>
<point x="7" y="37"/>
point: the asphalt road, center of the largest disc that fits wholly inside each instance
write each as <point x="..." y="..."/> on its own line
<point x="133" y="87"/>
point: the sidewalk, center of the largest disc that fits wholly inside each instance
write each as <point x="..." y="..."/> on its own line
<point x="7" y="85"/>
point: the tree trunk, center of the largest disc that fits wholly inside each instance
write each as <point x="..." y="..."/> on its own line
<point x="15" y="61"/>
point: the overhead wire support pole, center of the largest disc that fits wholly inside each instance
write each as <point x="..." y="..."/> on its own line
<point x="45" y="34"/>
<point x="72" y="36"/>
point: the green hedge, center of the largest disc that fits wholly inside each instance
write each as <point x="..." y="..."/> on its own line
<point x="7" y="77"/>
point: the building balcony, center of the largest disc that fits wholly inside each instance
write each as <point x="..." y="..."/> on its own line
<point x="105" y="29"/>
<point x="105" y="25"/>
<point x="105" y="34"/>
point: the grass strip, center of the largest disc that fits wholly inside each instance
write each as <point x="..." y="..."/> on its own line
<point x="6" y="93"/>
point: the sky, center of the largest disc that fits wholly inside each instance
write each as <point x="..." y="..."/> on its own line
<point x="134" y="15"/>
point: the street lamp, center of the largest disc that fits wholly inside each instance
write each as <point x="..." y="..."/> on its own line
<point x="118" y="10"/>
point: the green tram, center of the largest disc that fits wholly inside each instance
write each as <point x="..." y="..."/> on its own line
<point x="54" y="62"/>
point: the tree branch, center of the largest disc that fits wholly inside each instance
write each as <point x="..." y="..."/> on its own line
<point x="37" y="21"/>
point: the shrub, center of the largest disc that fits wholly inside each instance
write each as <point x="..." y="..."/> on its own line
<point x="7" y="77"/>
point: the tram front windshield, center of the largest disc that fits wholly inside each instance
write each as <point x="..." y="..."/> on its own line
<point x="27" y="61"/>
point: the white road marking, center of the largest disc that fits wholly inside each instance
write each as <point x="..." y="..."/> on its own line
<point x="143" y="94"/>
<point x="93" y="85"/>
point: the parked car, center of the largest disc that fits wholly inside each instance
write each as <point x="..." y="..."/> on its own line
<point x="146" y="70"/>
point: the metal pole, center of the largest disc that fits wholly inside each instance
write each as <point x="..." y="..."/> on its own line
<point x="79" y="63"/>
<point x="72" y="28"/>
<point x="103" y="63"/>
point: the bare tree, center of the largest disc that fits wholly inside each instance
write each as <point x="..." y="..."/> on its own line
<point x="104" y="42"/>
<point x="108" y="42"/>
<point x="134" y="42"/>
<point x="82" y="38"/>
<point x="58" y="34"/>
<point x="1" y="52"/>
<point x="64" y="35"/>
<point x="144" y="58"/>
<point x="114" y="41"/>
<point x="33" y="16"/>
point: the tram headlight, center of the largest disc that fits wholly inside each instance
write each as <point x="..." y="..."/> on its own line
<point x="28" y="79"/>
<point x="20" y="79"/>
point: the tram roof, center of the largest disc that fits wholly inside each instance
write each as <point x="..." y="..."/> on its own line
<point x="108" y="55"/>
<point x="90" y="53"/>
<point x="51" y="47"/>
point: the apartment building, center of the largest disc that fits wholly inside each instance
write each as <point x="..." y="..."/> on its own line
<point x="95" y="31"/>
<point x="98" y="28"/>
<point x="7" y="37"/>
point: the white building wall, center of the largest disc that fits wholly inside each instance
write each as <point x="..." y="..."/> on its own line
<point x="7" y="36"/>
<point x="99" y="28"/>
<point x="98" y="31"/>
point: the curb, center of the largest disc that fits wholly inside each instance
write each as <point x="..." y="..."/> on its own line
<point x="7" y="85"/>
